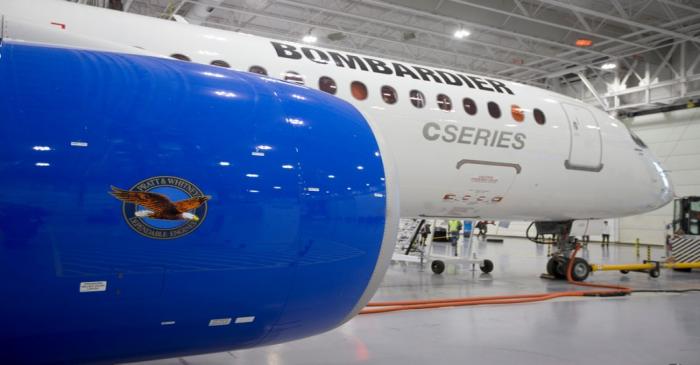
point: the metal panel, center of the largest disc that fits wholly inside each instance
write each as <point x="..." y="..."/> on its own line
<point x="585" y="152"/>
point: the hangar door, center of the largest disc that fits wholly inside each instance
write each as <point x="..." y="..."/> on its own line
<point x="586" y="149"/>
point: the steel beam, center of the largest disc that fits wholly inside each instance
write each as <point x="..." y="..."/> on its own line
<point x="593" y="91"/>
<point x="613" y="18"/>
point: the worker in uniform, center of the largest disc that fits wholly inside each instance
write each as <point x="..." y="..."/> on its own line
<point x="424" y="232"/>
<point x="455" y="227"/>
<point x="606" y="234"/>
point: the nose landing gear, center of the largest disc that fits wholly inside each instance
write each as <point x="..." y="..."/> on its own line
<point x="563" y="247"/>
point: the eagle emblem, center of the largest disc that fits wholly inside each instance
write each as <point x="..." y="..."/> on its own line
<point x="163" y="207"/>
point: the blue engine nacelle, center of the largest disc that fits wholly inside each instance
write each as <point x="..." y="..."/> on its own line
<point x="155" y="208"/>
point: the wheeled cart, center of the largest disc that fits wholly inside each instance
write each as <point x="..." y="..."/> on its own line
<point x="441" y="253"/>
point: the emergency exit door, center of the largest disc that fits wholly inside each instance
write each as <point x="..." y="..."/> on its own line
<point x="586" y="148"/>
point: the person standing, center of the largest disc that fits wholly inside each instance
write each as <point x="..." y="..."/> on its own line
<point x="424" y="232"/>
<point x="454" y="226"/>
<point x="606" y="234"/>
<point x="481" y="225"/>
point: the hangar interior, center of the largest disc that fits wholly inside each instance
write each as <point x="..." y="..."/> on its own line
<point x="639" y="61"/>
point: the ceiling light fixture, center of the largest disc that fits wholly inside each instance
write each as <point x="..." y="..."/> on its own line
<point x="461" y="33"/>
<point x="584" y="42"/>
<point x="309" y="38"/>
<point x="608" y="66"/>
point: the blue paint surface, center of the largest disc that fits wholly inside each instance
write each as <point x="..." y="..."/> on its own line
<point x="282" y="240"/>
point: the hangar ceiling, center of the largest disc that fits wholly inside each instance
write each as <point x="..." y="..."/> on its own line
<point x="654" y="44"/>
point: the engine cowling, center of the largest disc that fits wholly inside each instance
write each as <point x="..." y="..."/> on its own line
<point x="293" y="240"/>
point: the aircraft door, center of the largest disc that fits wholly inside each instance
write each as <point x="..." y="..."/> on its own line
<point x="586" y="149"/>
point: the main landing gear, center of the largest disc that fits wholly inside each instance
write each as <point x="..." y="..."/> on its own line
<point x="563" y="246"/>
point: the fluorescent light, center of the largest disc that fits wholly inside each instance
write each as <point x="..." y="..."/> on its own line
<point x="252" y="175"/>
<point x="608" y="66"/>
<point x="224" y="163"/>
<point x="309" y="38"/>
<point x="288" y="167"/>
<point x="264" y="147"/>
<point x="462" y="33"/>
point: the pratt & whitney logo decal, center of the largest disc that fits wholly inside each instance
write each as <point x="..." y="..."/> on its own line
<point x="163" y="207"/>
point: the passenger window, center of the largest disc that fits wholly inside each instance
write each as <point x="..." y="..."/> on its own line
<point x="294" y="78"/>
<point x="517" y="113"/>
<point x="494" y="110"/>
<point x="444" y="102"/>
<point x="358" y="90"/>
<point x="539" y="117"/>
<point x="220" y="63"/>
<point x="469" y="106"/>
<point x="327" y="84"/>
<point x="180" y="57"/>
<point x="389" y="94"/>
<point x="417" y="98"/>
<point x="258" y="70"/>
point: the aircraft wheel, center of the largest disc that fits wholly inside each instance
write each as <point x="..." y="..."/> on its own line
<point x="580" y="270"/>
<point x="487" y="267"/>
<point x="437" y="266"/>
<point x="552" y="267"/>
<point x="654" y="273"/>
<point x="562" y="266"/>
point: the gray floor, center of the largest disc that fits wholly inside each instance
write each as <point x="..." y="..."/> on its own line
<point x="641" y="329"/>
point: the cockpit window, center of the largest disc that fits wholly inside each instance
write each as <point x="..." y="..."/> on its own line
<point x="637" y="140"/>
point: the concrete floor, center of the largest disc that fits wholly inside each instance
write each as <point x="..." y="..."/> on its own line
<point x="641" y="329"/>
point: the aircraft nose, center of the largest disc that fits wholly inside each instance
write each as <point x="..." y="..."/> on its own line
<point x="661" y="190"/>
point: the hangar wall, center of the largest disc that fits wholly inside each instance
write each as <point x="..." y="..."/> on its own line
<point x="674" y="138"/>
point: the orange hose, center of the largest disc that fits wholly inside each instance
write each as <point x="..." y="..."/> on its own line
<point x="383" y="307"/>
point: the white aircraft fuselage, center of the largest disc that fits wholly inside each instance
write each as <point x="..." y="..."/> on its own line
<point x="463" y="145"/>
